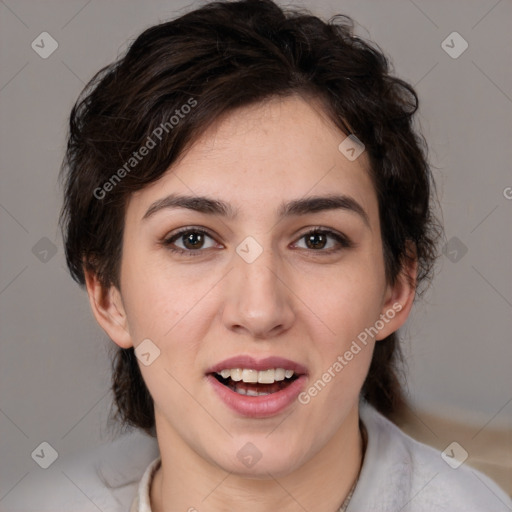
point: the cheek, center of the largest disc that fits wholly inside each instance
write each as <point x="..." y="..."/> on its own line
<point x="349" y="308"/>
<point x="157" y="298"/>
<point x="175" y="310"/>
<point x="347" y="298"/>
<point x="174" y="315"/>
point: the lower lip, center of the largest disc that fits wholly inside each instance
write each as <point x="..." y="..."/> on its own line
<point x="258" y="406"/>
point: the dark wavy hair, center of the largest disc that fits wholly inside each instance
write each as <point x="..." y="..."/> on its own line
<point x="223" y="56"/>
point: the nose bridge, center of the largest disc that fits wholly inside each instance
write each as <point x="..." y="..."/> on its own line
<point x="259" y="301"/>
<point x="260" y="276"/>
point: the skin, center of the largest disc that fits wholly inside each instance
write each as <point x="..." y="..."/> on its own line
<point x="293" y="301"/>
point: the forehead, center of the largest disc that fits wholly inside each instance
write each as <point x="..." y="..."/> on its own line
<point x="265" y="154"/>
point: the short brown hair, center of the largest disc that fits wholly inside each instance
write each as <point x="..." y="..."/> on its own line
<point x="223" y="56"/>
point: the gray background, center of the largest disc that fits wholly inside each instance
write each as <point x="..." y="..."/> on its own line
<point x="54" y="378"/>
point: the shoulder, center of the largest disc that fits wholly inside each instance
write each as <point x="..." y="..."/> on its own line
<point x="104" y="478"/>
<point x="400" y="473"/>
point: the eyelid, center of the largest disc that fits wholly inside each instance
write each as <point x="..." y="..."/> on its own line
<point x="170" y="238"/>
<point x="341" y="238"/>
<point x="187" y="229"/>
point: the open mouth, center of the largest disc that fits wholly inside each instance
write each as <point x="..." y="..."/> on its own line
<point x="256" y="383"/>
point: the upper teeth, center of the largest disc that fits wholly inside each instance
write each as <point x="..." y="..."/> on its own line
<point x="263" y="377"/>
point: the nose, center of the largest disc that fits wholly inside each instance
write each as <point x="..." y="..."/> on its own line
<point x="258" y="300"/>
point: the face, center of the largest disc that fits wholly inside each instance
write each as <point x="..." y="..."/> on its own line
<point x="275" y="269"/>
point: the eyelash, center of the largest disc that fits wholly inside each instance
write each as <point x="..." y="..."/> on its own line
<point x="342" y="240"/>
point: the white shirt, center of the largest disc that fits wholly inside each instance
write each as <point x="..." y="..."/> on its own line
<point x="398" y="475"/>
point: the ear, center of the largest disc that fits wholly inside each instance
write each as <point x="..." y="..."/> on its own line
<point x="399" y="298"/>
<point x="108" y="309"/>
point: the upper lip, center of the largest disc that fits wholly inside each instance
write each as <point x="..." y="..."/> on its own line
<point x="249" y="362"/>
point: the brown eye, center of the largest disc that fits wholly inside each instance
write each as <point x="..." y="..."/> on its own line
<point x="193" y="240"/>
<point x="316" y="240"/>
<point x="323" y="241"/>
<point x="189" y="241"/>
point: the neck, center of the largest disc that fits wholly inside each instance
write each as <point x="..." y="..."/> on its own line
<point x="186" y="481"/>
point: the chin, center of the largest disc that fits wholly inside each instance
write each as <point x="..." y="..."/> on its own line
<point x="257" y="459"/>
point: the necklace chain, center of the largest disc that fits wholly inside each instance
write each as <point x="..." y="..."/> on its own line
<point x="343" y="506"/>
<point x="364" y="437"/>
<point x="346" y="501"/>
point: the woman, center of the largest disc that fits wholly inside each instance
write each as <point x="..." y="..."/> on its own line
<point x="250" y="211"/>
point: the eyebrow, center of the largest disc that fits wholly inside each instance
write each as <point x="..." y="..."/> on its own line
<point x="301" y="206"/>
